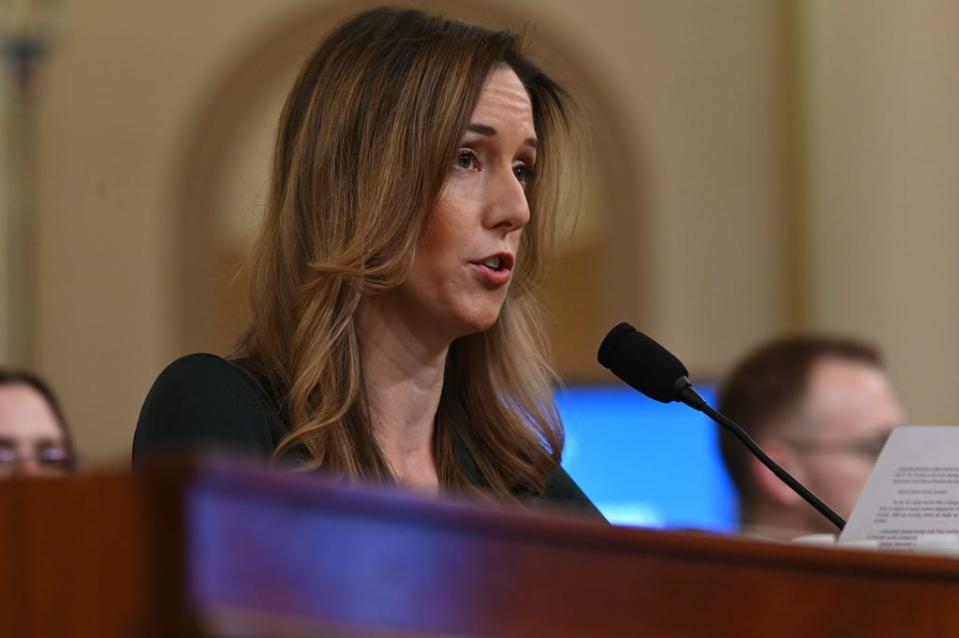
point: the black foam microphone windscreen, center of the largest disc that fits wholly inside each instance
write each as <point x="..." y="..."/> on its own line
<point x="642" y="363"/>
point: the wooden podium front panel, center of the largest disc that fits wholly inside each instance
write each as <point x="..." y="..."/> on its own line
<point x="72" y="548"/>
<point x="215" y="550"/>
<point x="380" y="559"/>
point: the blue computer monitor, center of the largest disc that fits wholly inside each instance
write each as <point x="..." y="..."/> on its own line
<point x="646" y="463"/>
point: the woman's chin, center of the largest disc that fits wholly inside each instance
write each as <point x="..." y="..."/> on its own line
<point x="479" y="320"/>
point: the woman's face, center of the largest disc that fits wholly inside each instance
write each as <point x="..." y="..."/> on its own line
<point x="31" y="439"/>
<point x="464" y="263"/>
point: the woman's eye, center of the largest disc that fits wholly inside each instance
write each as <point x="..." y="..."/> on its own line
<point x="466" y="159"/>
<point x="524" y="174"/>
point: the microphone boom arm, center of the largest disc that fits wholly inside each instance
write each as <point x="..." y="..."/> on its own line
<point x="688" y="395"/>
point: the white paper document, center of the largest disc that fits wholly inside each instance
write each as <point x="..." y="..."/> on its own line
<point x="913" y="490"/>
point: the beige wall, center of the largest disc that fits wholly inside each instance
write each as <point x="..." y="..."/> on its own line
<point x="119" y="95"/>
<point x="699" y="239"/>
<point x="881" y="175"/>
<point x="6" y="293"/>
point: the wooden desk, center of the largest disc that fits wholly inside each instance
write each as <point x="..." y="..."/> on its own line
<point x="214" y="549"/>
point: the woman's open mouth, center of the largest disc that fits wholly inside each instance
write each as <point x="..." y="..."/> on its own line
<point x="495" y="270"/>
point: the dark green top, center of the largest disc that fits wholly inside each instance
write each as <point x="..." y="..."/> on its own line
<point x="203" y="403"/>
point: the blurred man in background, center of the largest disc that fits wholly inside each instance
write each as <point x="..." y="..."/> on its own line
<point x="822" y="408"/>
<point x="34" y="439"/>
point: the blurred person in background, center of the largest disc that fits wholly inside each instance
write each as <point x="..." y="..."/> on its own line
<point x="822" y="408"/>
<point x="34" y="439"/>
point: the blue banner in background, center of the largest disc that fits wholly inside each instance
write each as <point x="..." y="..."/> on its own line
<point x="646" y="463"/>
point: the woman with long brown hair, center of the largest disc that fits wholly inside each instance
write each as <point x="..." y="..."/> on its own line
<point x="395" y="335"/>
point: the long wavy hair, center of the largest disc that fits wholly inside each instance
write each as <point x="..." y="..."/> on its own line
<point x="367" y="137"/>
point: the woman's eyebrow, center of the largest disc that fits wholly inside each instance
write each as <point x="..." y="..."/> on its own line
<point x="489" y="131"/>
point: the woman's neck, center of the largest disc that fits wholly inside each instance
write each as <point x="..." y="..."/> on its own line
<point x="403" y="382"/>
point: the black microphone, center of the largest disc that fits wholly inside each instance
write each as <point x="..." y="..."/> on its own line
<point x="656" y="372"/>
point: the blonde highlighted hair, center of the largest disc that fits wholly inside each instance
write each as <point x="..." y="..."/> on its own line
<point x="367" y="137"/>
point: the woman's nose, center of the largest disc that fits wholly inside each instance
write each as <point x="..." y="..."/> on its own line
<point x="27" y="466"/>
<point x="507" y="208"/>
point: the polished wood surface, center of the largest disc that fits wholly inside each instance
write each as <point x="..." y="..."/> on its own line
<point x="215" y="549"/>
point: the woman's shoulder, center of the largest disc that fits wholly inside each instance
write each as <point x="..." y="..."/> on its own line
<point x="202" y="402"/>
<point x="199" y="366"/>
<point x="204" y="378"/>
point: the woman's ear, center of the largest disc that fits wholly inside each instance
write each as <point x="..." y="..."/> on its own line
<point x="769" y="486"/>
